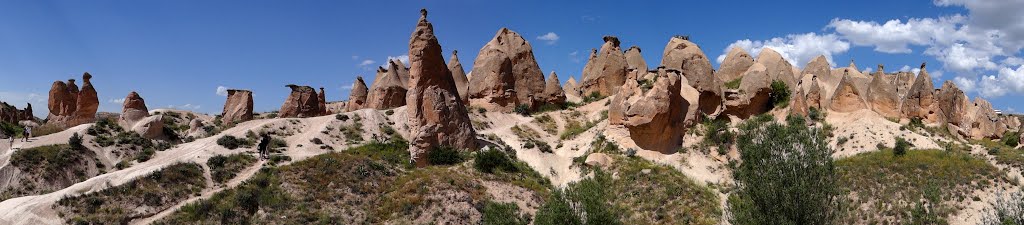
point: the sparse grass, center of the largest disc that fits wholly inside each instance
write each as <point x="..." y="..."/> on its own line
<point x="47" y="168"/>
<point x="734" y="84"/>
<point x="575" y="127"/>
<point x="353" y="132"/>
<point x="662" y="195"/>
<point x="223" y="168"/>
<point x="45" y="129"/>
<point x="141" y="197"/>
<point x="547" y="123"/>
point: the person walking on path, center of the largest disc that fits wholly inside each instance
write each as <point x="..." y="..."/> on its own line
<point x="264" y="145"/>
<point x="25" y="133"/>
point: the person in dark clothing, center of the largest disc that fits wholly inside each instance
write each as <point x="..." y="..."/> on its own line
<point x="263" y="146"/>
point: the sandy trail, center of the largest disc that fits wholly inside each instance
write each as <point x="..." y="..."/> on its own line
<point x="234" y="182"/>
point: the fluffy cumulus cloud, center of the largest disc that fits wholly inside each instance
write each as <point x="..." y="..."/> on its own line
<point x="116" y="100"/>
<point x="403" y="58"/>
<point x="550" y="38"/>
<point x="1007" y="81"/>
<point x="367" y="62"/>
<point x="222" y="90"/>
<point x="798" y="49"/>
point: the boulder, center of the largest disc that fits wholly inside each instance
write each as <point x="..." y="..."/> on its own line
<point x="387" y="90"/>
<point x="986" y="123"/>
<point x="195" y="126"/>
<point x="686" y="57"/>
<point x="237" y="107"/>
<point x="847" y="98"/>
<point x="882" y="96"/>
<point x="553" y="93"/>
<point x="599" y="160"/>
<point x="635" y="61"/>
<point x="149" y="127"/>
<point x="754" y="94"/>
<point x="357" y="96"/>
<point x="607" y="72"/>
<point x="459" y="75"/>
<point x="735" y="64"/>
<point x="64" y="103"/>
<point x="527" y="78"/>
<point x="133" y="110"/>
<point x="920" y="99"/>
<point x="436" y="116"/>
<point x="301" y="103"/>
<point x="653" y="112"/>
<point x="953" y="104"/>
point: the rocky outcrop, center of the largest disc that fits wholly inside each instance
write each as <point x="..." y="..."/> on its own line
<point x="882" y="96"/>
<point x="387" y="90"/>
<point x="459" y="75"/>
<point x="778" y="68"/>
<point x="754" y="94"/>
<point x="735" y="64"/>
<point x="301" y="103"/>
<point x="238" y="107"/>
<point x="506" y="49"/>
<point x="653" y="114"/>
<point x="606" y="73"/>
<point x="920" y="99"/>
<point x="903" y="81"/>
<point x="953" y="104"/>
<point x="11" y="114"/>
<point x="686" y="57"/>
<point x="822" y="74"/>
<point x="571" y="88"/>
<point x="847" y="97"/>
<point x="322" y="97"/>
<point x="69" y="106"/>
<point x="401" y="69"/>
<point x="135" y="117"/>
<point x="553" y="93"/>
<point x="357" y="96"/>
<point x="589" y="67"/>
<point x="635" y="61"/>
<point x="814" y="95"/>
<point x="436" y="116"/>
<point x="985" y="123"/>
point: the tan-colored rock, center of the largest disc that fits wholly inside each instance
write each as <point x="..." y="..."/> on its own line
<point x="814" y="95"/>
<point x="754" y="96"/>
<point x="322" y="98"/>
<point x="402" y="70"/>
<point x="607" y="71"/>
<point x="986" y="122"/>
<point x="589" y="67"/>
<point x="553" y="93"/>
<point x="953" y="104"/>
<point x="903" y="81"/>
<point x="653" y="114"/>
<point x="826" y="81"/>
<point x="357" y="96"/>
<point x="735" y="64"/>
<point x="527" y="78"/>
<point x="571" y="88"/>
<point x="882" y="96"/>
<point x="495" y="90"/>
<point x="301" y="103"/>
<point x="133" y="110"/>
<point x="11" y="114"/>
<point x="778" y="68"/>
<point x="459" y="75"/>
<point x="920" y="99"/>
<point x="149" y="127"/>
<point x="798" y="106"/>
<point x="387" y="90"/>
<point x="634" y="60"/>
<point x="195" y="127"/>
<point x="599" y="159"/>
<point x="437" y="118"/>
<point x="847" y="98"/>
<point x="686" y="57"/>
<point x="237" y="107"/>
<point x="64" y="103"/>
<point x="337" y="107"/>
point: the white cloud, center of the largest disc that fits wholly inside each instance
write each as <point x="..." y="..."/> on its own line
<point x="222" y="91"/>
<point x="963" y="59"/>
<point x="403" y="58"/>
<point x="895" y="36"/>
<point x="798" y="49"/>
<point x="1013" y="61"/>
<point x="965" y="84"/>
<point x="550" y="38"/>
<point x="574" y="56"/>
<point x="1007" y="81"/>
<point x="867" y="69"/>
<point x="116" y="100"/>
<point x="185" y="107"/>
<point x="347" y="87"/>
<point x="17" y="98"/>
<point x="905" y="68"/>
<point x="367" y="63"/>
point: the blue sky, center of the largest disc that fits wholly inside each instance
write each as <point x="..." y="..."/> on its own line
<point x="177" y="53"/>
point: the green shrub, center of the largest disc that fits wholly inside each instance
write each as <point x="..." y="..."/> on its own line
<point x="1011" y="139"/>
<point x="522" y="109"/>
<point x="145" y="155"/>
<point x="734" y="84"/>
<point x="583" y="202"/>
<point x="341" y="117"/>
<point x="717" y="133"/>
<point x="76" y="142"/>
<point x="11" y="129"/>
<point x="815" y="114"/>
<point x="901" y="147"/>
<point x="223" y="168"/>
<point x="230" y="142"/>
<point x="493" y="160"/>
<point x="503" y="214"/>
<point x="389" y="112"/>
<point x="780" y="94"/>
<point x="444" y="155"/>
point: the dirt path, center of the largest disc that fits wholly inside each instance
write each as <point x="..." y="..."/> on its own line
<point x="234" y="182"/>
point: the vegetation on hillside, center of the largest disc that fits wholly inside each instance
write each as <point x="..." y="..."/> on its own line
<point x="141" y="197"/>
<point x="48" y="168"/>
<point x="223" y="168"/>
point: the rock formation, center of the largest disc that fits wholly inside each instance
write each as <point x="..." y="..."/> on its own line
<point x="634" y="60"/>
<point x="589" y="67"/>
<point x="322" y="97"/>
<point x="821" y="72"/>
<point x="459" y="75"/>
<point x="237" y="107"/>
<point x="301" y="103"/>
<point x="882" y="96"/>
<point x="903" y="81"/>
<point x="985" y="123"/>
<point x="490" y="66"/>
<point x="357" y="96"/>
<point x="135" y="117"/>
<point x="553" y="93"/>
<point x="953" y="104"/>
<point x="920" y="99"/>
<point x="778" y="68"/>
<point x="387" y="90"/>
<point x="847" y="98"/>
<point x="571" y="88"/>
<point x="11" y="114"/>
<point x="70" y="107"/>
<point x="814" y="95"/>
<point x="607" y="72"/>
<point x="754" y="96"/>
<point x="734" y="65"/>
<point x="436" y="116"/>
<point x="402" y="70"/>
<point x="685" y="56"/>
<point x="653" y="114"/>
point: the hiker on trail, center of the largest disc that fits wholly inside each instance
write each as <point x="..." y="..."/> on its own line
<point x="26" y="132"/>
<point x="264" y="145"/>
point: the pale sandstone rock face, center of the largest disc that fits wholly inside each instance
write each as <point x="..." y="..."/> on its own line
<point x="986" y="122"/>
<point x="571" y="88"/>
<point x="599" y="159"/>
<point x="607" y="72"/>
<point x="553" y="93"/>
<point x="437" y="118"/>
<point x="634" y="60"/>
<point x="133" y="110"/>
<point x="778" y="68"/>
<point x="798" y="106"/>
<point x="903" y="81"/>
<point x="387" y="90"/>
<point x="588" y="68"/>
<point x="882" y="96"/>
<point x="814" y="95"/>
<point x="69" y="106"/>
<point x="459" y="75"/>
<point x="495" y="90"/>
<point x="527" y="78"/>
<point x="953" y="104"/>
<point x="824" y="78"/>
<point x="149" y="127"/>
<point x="920" y="101"/>
<point x="237" y="107"/>
<point x="357" y="96"/>
<point x="685" y="56"/>
<point x="337" y="107"/>
<point x="736" y="63"/>
<point x="301" y="103"/>
<point x="653" y="115"/>
<point x="847" y="98"/>
<point x="402" y="70"/>
<point x="754" y="96"/>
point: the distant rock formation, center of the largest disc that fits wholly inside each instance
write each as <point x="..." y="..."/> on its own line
<point x="357" y="96"/>
<point x="237" y="107"/>
<point x="402" y="70"/>
<point x="507" y="54"/>
<point x="387" y="90"/>
<point x="754" y="96"/>
<point x="322" y="97"/>
<point x="459" y="75"/>
<point x="436" y="116"/>
<point x="634" y="60"/>
<point x="553" y="93"/>
<point x="985" y="121"/>
<point x="135" y="117"/>
<point x="953" y="104"/>
<point x="70" y="107"/>
<point x="920" y="100"/>
<point x="571" y="88"/>
<point x="847" y="97"/>
<point x="588" y="68"/>
<point x="301" y="103"/>
<point x="11" y="114"/>
<point x="814" y="95"/>
<point x="652" y="113"/>
<point x="735" y="64"/>
<point x="607" y="71"/>
<point x="882" y="96"/>
<point x="685" y="56"/>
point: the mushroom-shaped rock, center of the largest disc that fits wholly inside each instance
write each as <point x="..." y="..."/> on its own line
<point x="133" y="110"/>
<point x="754" y="95"/>
<point x="920" y="99"/>
<point x="607" y="72"/>
<point x="652" y="113"/>
<point x="527" y="78"/>
<point x="882" y="96"/>
<point x="459" y="75"/>
<point x="87" y="102"/>
<point x="436" y="116"/>
<point x="301" y="103"/>
<point x="237" y="107"/>
<point x="734" y="65"/>
<point x="686" y="57"/>
<point x="64" y="103"/>
<point x="847" y="97"/>
<point x="553" y="93"/>
<point x="387" y="90"/>
<point x="634" y="60"/>
<point x="357" y="96"/>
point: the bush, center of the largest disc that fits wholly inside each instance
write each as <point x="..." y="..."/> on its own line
<point x="815" y="114"/>
<point x="1006" y="210"/>
<point x="1011" y="139"/>
<point x="583" y="202"/>
<point x="901" y="147"/>
<point x="10" y="129"/>
<point x="522" y="109"/>
<point x="780" y="94"/>
<point x="769" y="188"/>
<point x="717" y="133"/>
<point x="223" y="168"/>
<point x="734" y="84"/>
<point x="145" y="155"/>
<point x="341" y="117"/>
<point x="76" y="142"/>
<point x="230" y="142"/>
<point x="492" y="160"/>
<point x="503" y="214"/>
<point x="443" y="155"/>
